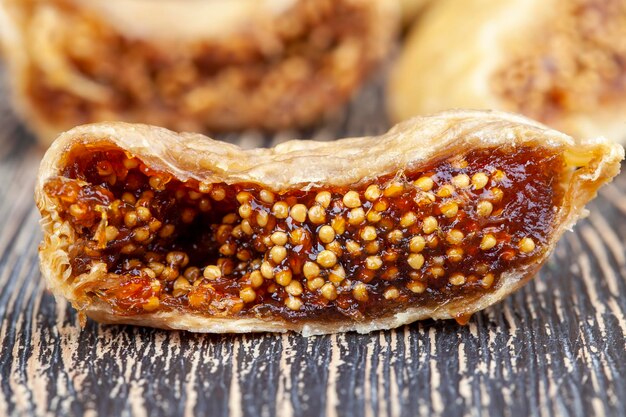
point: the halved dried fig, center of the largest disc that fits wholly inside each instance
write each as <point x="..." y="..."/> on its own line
<point x="438" y="218"/>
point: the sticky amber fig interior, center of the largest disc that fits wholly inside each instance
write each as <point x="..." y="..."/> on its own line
<point x="418" y="237"/>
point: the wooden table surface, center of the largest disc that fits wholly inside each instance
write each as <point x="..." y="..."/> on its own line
<point x="557" y="347"/>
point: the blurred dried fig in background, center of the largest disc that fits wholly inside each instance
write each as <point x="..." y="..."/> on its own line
<point x="562" y="62"/>
<point x="194" y="65"/>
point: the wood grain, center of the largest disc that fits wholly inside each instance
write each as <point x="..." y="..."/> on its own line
<point x="557" y="347"/>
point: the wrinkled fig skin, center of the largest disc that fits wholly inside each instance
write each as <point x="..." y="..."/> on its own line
<point x="403" y="196"/>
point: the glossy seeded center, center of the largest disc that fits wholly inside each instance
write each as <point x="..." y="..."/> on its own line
<point x="414" y="238"/>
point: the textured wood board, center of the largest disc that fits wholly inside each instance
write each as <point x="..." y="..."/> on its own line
<point x="557" y="347"/>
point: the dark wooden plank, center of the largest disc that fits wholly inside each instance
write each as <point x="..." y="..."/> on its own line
<point x="557" y="347"/>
